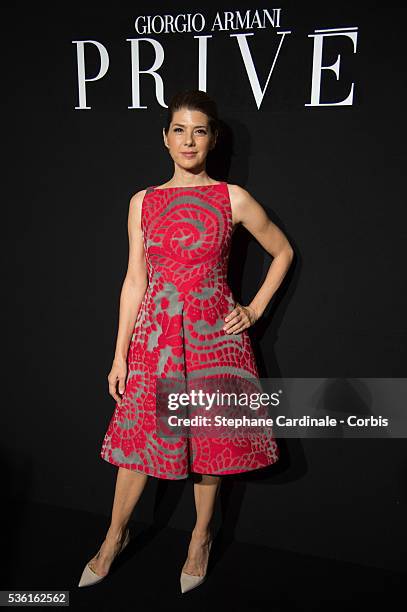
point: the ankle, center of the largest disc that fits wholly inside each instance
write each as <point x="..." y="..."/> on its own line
<point x="116" y="534"/>
<point x="202" y="533"/>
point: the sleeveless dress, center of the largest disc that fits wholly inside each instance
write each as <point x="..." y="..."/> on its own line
<point x="179" y="332"/>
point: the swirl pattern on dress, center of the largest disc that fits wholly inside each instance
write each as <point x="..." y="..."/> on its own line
<point x="178" y="335"/>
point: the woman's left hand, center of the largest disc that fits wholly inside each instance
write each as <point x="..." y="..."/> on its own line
<point x="240" y="318"/>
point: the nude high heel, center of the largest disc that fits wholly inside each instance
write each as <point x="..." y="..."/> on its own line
<point x="90" y="577"/>
<point x="189" y="581"/>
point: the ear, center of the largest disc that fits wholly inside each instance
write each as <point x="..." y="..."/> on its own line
<point x="165" y="138"/>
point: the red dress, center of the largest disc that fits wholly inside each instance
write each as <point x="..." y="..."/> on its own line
<point x="178" y="332"/>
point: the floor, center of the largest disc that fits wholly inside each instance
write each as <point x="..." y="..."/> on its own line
<point x="49" y="551"/>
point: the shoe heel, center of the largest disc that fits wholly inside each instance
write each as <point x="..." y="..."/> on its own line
<point x="89" y="577"/>
<point x="189" y="581"/>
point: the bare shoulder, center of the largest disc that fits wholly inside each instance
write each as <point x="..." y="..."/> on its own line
<point x="238" y="193"/>
<point x="240" y="200"/>
<point x="135" y="205"/>
<point x="137" y="199"/>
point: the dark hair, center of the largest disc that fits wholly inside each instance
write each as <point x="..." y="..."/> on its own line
<point x="194" y="99"/>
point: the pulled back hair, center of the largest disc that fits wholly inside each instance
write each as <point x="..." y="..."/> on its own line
<point x="194" y="99"/>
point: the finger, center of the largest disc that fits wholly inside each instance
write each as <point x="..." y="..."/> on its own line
<point x="113" y="393"/>
<point x="234" y="317"/>
<point x="121" y="384"/>
<point x="238" y="327"/>
<point x="242" y="320"/>
<point x="116" y="397"/>
<point x="232" y="322"/>
<point x="232" y="314"/>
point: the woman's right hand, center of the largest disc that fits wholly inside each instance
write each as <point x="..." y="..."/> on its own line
<point x="117" y="374"/>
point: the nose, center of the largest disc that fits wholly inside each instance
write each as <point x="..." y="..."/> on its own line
<point x="188" y="138"/>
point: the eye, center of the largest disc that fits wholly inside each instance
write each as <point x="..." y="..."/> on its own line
<point x="202" y="130"/>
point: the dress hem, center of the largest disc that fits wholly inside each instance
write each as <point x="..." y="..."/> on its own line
<point x="162" y="476"/>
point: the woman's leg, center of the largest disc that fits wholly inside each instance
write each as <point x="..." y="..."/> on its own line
<point x="205" y="493"/>
<point x="129" y="487"/>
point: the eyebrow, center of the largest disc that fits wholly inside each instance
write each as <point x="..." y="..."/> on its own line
<point x="183" y="125"/>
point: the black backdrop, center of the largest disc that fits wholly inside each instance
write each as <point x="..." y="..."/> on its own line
<point x="331" y="177"/>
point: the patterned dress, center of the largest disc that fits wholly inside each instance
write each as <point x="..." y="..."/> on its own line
<point x="179" y="334"/>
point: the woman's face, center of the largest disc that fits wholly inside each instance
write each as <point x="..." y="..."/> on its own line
<point x="189" y="133"/>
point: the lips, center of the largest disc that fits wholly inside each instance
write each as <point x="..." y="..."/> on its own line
<point x="189" y="154"/>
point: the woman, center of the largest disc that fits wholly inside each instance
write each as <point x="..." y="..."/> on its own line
<point x="178" y="319"/>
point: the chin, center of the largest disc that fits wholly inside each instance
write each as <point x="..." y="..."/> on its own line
<point x="190" y="163"/>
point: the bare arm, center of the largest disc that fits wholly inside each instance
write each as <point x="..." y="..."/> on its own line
<point x="248" y="212"/>
<point x="132" y="293"/>
<point x="135" y="282"/>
